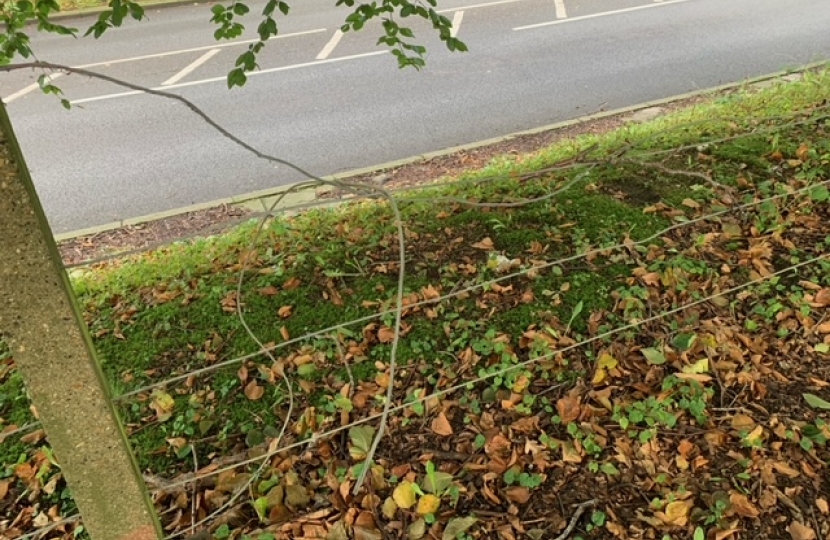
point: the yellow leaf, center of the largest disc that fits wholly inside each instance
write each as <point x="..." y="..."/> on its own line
<point x="404" y="495"/>
<point x="428" y="504"/>
<point x="691" y="203"/>
<point x="755" y="436"/>
<point x="701" y="366"/>
<point x="599" y="376"/>
<point x="677" y="513"/>
<point x="163" y="404"/>
<point x="604" y="363"/>
<point x="607" y="361"/>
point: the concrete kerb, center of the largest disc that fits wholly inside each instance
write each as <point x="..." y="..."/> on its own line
<point x="90" y="12"/>
<point x="262" y="200"/>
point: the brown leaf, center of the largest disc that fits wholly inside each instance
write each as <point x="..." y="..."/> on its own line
<point x="386" y="335"/>
<point x="726" y="533"/>
<point x="822" y="505"/>
<point x="4" y="489"/>
<point x="253" y="391"/>
<point x="517" y="494"/>
<point x="785" y="469"/>
<point x="33" y="438"/>
<point x="743" y="422"/>
<point x="269" y="291"/>
<point x="284" y="333"/>
<point x="691" y="203"/>
<point x="441" y="425"/>
<point x="569" y="408"/>
<point x="486" y="244"/>
<point x="741" y="505"/>
<point x="291" y="283"/>
<point x="823" y="328"/>
<point x="803" y="151"/>
<point x="823" y="297"/>
<point x="800" y="531"/>
<point x="285" y="311"/>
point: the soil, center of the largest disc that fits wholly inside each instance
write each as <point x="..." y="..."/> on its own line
<point x="115" y="243"/>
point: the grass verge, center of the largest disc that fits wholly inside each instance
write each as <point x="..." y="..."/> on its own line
<point x="691" y="424"/>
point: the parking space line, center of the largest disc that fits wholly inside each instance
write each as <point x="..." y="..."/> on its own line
<point x="602" y="14"/>
<point x="192" y="66"/>
<point x="561" y="12"/>
<point x="217" y="79"/>
<point x="456" y="23"/>
<point x="31" y="88"/>
<point x="196" y="49"/>
<point x="335" y="39"/>
<point x="476" y="6"/>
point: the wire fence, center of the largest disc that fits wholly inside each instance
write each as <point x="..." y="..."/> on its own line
<point x="581" y="165"/>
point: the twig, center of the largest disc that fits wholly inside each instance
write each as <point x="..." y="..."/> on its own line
<point x="580" y="509"/>
<point x="788" y="502"/>
<point x="471" y="288"/>
<point x="500" y="372"/>
<point x="51" y="526"/>
<point x="195" y="489"/>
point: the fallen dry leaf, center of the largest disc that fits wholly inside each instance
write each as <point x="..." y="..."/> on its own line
<point x="253" y="391"/>
<point x="441" y="425"/>
<point x="799" y="531"/>
<point x="517" y="494"/>
<point x="285" y="311"/>
<point x="569" y="408"/>
<point x="822" y="505"/>
<point x="741" y="505"/>
<point x="485" y="244"/>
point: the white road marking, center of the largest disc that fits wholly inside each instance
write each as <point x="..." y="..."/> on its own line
<point x="456" y="23"/>
<point x="196" y="49"/>
<point x="192" y="66"/>
<point x="603" y="14"/>
<point x="476" y="6"/>
<point x="217" y="79"/>
<point x="31" y="88"/>
<point x="561" y="12"/>
<point x="335" y="39"/>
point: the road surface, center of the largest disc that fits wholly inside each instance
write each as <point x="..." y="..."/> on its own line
<point x="330" y="102"/>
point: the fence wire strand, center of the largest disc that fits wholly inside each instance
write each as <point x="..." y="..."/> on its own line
<point x="599" y="337"/>
<point x="19" y="431"/>
<point x="467" y="289"/>
<point x="43" y="530"/>
<point x="378" y="192"/>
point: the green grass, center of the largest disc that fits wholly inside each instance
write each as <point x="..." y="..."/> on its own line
<point x="168" y="312"/>
<point x="155" y="341"/>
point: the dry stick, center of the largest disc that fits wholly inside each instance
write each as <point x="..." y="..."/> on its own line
<point x="47" y="528"/>
<point x="630" y="326"/>
<point x="470" y="288"/>
<point x="324" y="202"/>
<point x="216" y="227"/>
<point x="337" y="183"/>
<point x="241" y="315"/>
<point x="28" y="427"/>
<point x="580" y="509"/>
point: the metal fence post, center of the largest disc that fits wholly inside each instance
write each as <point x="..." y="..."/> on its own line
<point x="41" y="323"/>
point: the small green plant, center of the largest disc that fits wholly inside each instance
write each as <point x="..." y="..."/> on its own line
<point x="528" y="480"/>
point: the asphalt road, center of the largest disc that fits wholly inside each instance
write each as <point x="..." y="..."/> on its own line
<point x="332" y="109"/>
